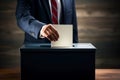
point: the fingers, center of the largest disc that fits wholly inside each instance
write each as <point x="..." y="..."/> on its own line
<point x="53" y="33"/>
<point x="47" y="35"/>
<point x="50" y="33"/>
<point x="52" y="28"/>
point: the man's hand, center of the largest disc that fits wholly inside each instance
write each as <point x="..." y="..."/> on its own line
<point x="49" y="32"/>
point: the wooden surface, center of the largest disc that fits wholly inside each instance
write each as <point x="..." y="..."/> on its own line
<point x="101" y="74"/>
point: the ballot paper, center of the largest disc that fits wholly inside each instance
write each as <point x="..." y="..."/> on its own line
<point x="65" y="36"/>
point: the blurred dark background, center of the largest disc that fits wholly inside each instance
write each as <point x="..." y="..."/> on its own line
<point x="98" y="23"/>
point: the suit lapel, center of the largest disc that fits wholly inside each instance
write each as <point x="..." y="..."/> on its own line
<point x="62" y="11"/>
<point x="63" y="4"/>
<point x="47" y="8"/>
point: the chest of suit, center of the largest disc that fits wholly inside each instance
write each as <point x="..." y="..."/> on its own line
<point x="41" y="11"/>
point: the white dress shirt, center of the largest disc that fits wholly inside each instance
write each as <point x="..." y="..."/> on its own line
<point x="59" y="9"/>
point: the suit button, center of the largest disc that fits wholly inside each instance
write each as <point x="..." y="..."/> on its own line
<point x="32" y="33"/>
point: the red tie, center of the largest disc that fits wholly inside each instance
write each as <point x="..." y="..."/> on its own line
<point x="54" y="12"/>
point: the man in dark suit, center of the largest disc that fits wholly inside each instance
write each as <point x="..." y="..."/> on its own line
<point x="35" y="18"/>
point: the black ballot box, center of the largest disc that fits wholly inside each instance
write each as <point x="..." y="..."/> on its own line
<point x="43" y="62"/>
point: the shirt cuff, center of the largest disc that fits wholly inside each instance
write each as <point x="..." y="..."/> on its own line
<point x="41" y="36"/>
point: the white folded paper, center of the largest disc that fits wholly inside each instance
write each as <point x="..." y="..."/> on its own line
<point x="65" y="36"/>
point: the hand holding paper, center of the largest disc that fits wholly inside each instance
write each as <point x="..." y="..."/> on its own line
<point x="49" y="32"/>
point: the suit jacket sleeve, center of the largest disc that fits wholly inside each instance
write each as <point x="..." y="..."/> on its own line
<point x="25" y="20"/>
<point x="74" y="22"/>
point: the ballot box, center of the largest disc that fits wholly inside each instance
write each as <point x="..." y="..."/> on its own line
<point x="43" y="62"/>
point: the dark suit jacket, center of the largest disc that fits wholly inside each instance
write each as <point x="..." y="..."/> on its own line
<point x="33" y="14"/>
